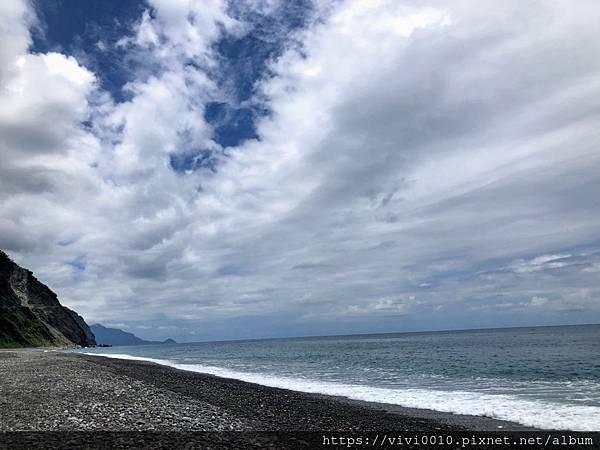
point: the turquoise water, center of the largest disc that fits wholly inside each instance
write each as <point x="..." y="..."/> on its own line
<point x="547" y="377"/>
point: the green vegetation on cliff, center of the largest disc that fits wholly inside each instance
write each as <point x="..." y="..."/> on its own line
<point x="32" y="316"/>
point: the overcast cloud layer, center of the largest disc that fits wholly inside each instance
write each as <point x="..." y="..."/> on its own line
<point x="416" y="165"/>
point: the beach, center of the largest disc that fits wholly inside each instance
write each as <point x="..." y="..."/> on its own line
<point x="52" y="391"/>
<point x="51" y="399"/>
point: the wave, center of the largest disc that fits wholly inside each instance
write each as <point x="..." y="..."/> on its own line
<point x="534" y="413"/>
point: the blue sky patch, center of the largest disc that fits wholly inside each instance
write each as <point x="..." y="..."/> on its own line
<point x="90" y="30"/>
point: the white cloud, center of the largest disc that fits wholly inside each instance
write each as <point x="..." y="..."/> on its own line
<point x="15" y="20"/>
<point x="428" y="150"/>
<point x="538" y="301"/>
<point x="592" y="268"/>
<point x="181" y="28"/>
<point x="542" y="262"/>
<point x="68" y="68"/>
<point x="146" y="34"/>
<point x="44" y="152"/>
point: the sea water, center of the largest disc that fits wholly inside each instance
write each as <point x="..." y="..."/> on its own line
<point x="546" y="377"/>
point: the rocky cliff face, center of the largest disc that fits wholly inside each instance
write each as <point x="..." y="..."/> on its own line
<point x="32" y="316"/>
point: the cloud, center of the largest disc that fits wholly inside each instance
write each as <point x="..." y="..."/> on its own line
<point x="431" y="161"/>
<point x="15" y="20"/>
<point x="543" y="262"/>
<point x="44" y="152"/>
<point x="538" y="301"/>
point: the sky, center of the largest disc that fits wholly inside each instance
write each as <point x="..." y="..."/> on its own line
<point x="258" y="168"/>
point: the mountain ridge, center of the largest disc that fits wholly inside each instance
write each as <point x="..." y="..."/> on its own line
<point x="117" y="337"/>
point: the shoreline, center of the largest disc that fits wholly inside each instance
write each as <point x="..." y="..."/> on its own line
<point x="53" y="391"/>
<point x="461" y="421"/>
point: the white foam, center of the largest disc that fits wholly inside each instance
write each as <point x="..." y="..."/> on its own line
<point x="535" y="413"/>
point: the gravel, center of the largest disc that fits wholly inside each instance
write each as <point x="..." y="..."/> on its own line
<point x="52" y="391"/>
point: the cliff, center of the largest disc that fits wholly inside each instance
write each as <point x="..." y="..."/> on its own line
<point x="32" y="316"/>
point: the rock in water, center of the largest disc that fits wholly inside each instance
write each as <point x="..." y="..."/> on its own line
<point x="32" y="316"/>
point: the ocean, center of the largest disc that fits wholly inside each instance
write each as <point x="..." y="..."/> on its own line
<point x="546" y="377"/>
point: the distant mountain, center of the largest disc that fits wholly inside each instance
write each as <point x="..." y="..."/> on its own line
<point x="116" y="337"/>
<point x="32" y="316"/>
